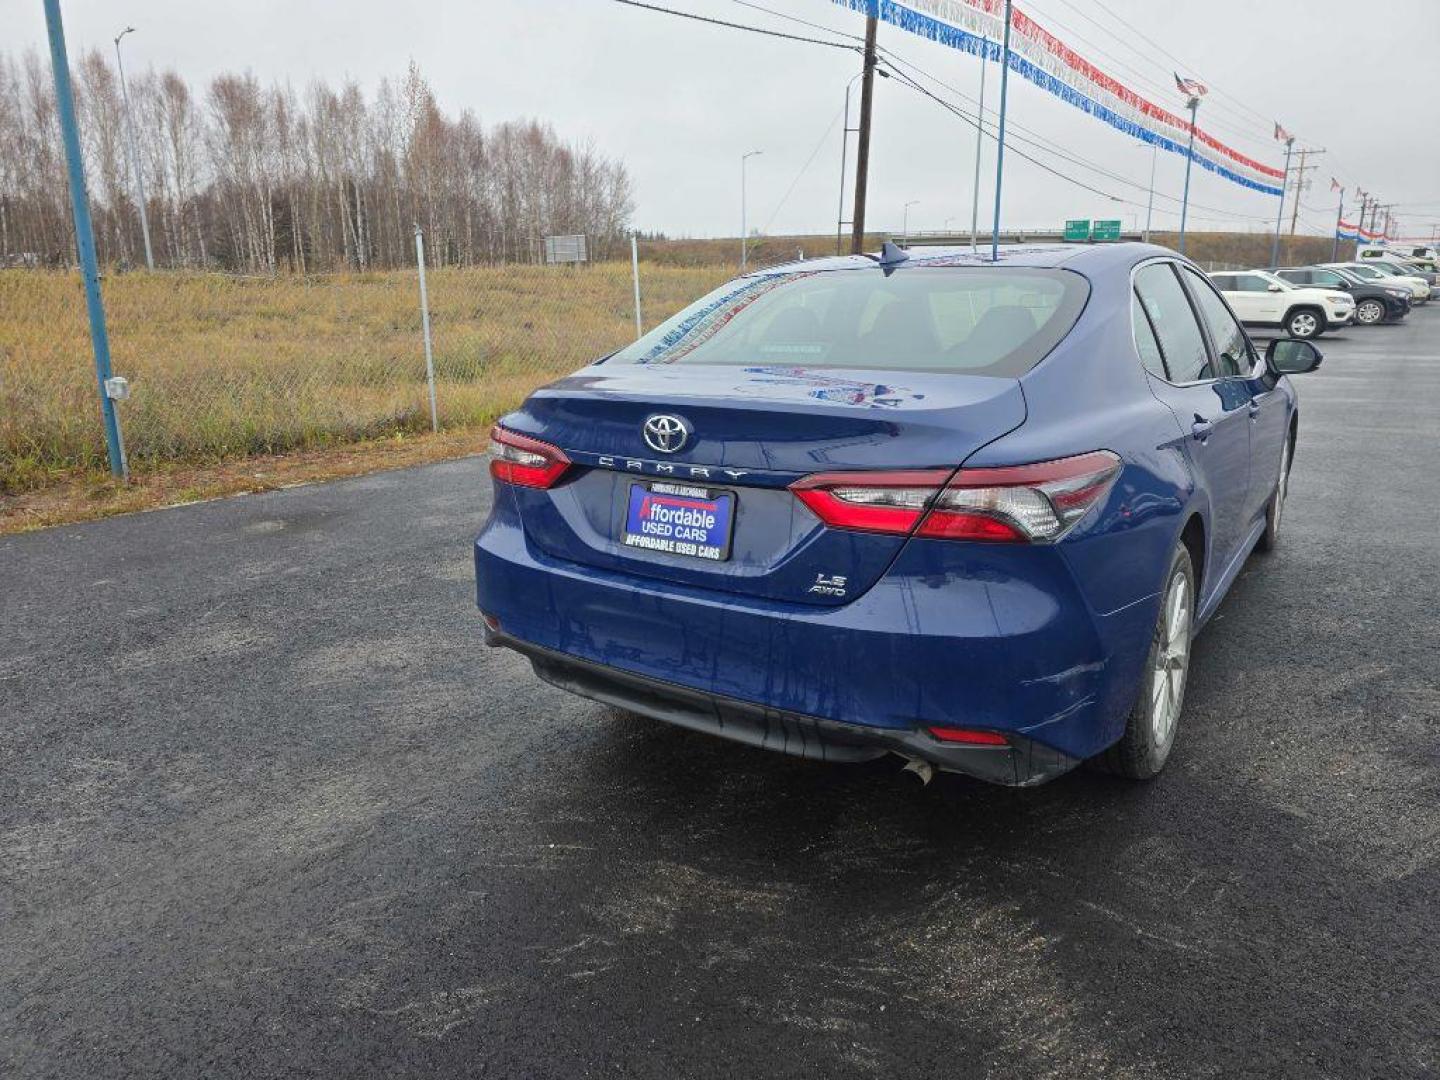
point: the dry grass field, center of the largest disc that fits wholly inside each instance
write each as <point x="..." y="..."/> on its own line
<point x="223" y="368"/>
<point x="309" y="374"/>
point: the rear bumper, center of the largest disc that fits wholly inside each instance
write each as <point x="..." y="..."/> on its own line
<point x="1024" y="762"/>
<point x="1000" y="639"/>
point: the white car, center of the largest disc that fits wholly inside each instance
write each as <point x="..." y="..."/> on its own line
<point x="1260" y="298"/>
<point x="1419" y="288"/>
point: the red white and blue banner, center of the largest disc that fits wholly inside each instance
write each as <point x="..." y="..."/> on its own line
<point x="1349" y="231"/>
<point x="977" y="26"/>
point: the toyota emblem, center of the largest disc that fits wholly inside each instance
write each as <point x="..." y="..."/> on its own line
<point x="665" y="433"/>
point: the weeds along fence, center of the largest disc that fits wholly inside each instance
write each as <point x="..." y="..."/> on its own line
<point x="222" y="367"/>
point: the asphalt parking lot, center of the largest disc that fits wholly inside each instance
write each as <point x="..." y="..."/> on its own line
<point x="268" y="807"/>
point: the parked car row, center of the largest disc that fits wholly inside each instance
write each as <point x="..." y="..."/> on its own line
<point x="1306" y="301"/>
<point x="1425" y="258"/>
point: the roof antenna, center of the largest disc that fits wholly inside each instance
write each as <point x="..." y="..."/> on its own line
<point x="890" y="255"/>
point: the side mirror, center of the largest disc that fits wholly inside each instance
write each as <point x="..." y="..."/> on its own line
<point x="1291" y="356"/>
<point x="1272" y="287"/>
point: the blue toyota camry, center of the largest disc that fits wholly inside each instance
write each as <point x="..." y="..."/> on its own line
<point x="966" y="512"/>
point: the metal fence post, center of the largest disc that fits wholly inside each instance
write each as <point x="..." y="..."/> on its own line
<point x="635" y="276"/>
<point x="84" y="234"/>
<point x="425" y="322"/>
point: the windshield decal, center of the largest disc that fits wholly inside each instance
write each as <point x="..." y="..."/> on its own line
<point x="827" y="387"/>
<point x="713" y="317"/>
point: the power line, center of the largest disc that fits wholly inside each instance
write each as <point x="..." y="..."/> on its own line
<point x="737" y="26"/>
<point x="1156" y="91"/>
<point x="803" y="169"/>
<point x="1049" y="148"/>
<point x="1172" y="57"/>
<point x="906" y="80"/>
<point x="797" y="19"/>
<point x="975" y="122"/>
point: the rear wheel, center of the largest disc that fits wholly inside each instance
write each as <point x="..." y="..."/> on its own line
<point x="1304" y="323"/>
<point x="1369" y="312"/>
<point x="1271" y="536"/>
<point x="1150" y="729"/>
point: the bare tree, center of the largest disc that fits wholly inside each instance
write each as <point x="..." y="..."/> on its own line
<point x="258" y="178"/>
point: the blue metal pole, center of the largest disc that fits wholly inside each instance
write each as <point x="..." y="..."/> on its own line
<point x="84" y="235"/>
<point x="1189" y="159"/>
<point x="1000" y="135"/>
<point x="1280" y="216"/>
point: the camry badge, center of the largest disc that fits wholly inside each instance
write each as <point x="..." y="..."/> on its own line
<point x="665" y="434"/>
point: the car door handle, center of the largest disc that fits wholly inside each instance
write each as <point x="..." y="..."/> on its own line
<point x="1201" y="428"/>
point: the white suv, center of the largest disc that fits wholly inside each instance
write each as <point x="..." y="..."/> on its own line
<point x="1260" y="298"/>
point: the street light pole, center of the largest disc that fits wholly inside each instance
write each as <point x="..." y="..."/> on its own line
<point x="979" y="147"/>
<point x="1000" y="134"/>
<point x="905" y="219"/>
<point x="134" y="152"/>
<point x="845" y="130"/>
<point x="1150" y="206"/>
<point x="1189" y="159"/>
<point x="84" y="235"/>
<point x="744" y="238"/>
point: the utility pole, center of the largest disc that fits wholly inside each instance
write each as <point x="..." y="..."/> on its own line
<point x="1375" y="209"/>
<point x="135" y="170"/>
<point x="862" y="150"/>
<point x="1301" y="183"/>
<point x="84" y="234"/>
<point x="1280" y="214"/>
<point x="1000" y="135"/>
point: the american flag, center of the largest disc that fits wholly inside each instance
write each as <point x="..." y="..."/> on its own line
<point x="1281" y="134"/>
<point x="1192" y="88"/>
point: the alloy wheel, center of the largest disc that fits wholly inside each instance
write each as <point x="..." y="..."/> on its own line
<point x="1369" y="312"/>
<point x="1172" y="660"/>
<point x="1304" y="325"/>
<point x="1282" y="488"/>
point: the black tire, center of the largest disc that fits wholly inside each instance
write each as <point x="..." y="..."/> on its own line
<point x="1274" y="511"/>
<point x="1143" y="750"/>
<point x="1369" y="312"/>
<point x="1305" y="322"/>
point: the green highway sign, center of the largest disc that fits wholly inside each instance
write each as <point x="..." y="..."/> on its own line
<point x="1078" y="229"/>
<point x="1104" y="230"/>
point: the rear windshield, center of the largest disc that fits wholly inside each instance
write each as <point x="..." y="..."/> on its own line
<point x="966" y="320"/>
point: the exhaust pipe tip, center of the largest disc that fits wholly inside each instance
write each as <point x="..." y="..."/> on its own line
<point x="920" y="768"/>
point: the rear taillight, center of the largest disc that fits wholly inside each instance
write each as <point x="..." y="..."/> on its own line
<point x="1015" y="504"/>
<point x="523" y="461"/>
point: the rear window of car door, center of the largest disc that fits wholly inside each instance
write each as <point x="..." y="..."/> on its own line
<point x="1174" y="321"/>
<point x="1231" y="344"/>
<point x="1250" y="283"/>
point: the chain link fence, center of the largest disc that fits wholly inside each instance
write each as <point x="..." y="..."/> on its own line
<point x="222" y="367"/>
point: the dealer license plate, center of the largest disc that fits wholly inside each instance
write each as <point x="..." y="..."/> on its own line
<point x="680" y="519"/>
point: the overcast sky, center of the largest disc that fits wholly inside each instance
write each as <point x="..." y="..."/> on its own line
<point x="679" y="101"/>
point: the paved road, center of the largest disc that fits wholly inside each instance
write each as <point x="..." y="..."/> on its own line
<point x="267" y="807"/>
